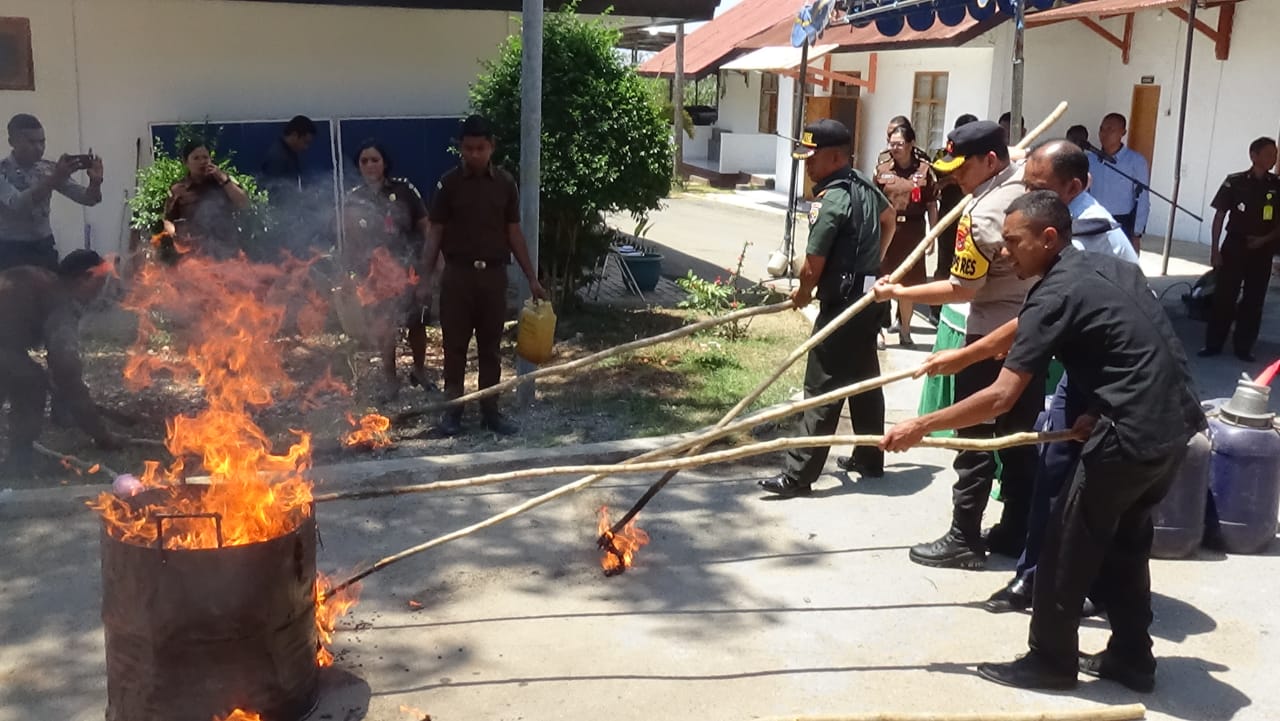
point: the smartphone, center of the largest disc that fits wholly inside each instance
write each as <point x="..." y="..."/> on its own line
<point x="83" y="161"/>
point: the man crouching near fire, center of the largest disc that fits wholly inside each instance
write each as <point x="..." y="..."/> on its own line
<point x="42" y="308"/>
<point x="1096" y="313"/>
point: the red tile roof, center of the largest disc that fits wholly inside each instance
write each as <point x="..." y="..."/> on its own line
<point x="868" y="38"/>
<point x="718" y="40"/>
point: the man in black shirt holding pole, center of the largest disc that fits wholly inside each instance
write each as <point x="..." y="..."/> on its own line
<point x="1097" y="314"/>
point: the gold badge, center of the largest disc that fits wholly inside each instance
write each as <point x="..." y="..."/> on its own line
<point x="969" y="263"/>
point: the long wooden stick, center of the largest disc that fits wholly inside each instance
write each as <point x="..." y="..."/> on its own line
<point x="704" y="459"/>
<point x="79" y="464"/>
<point x="590" y="360"/>
<point x="867" y="299"/>
<point x="990" y="444"/>
<point x="1131" y="712"/>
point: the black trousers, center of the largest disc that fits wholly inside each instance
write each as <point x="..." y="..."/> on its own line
<point x="1242" y="269"/>
<point x="472" y="302"/>
<point x="976" y="470"/>
<point x="40" y="253"/>
<point x="24" y="385"/>
<point x="1101" y="529"/>
<point x="847" y="356"/>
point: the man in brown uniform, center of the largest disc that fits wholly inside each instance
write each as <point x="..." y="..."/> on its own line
<point x="475" y="225"/>
<point x="41" y="308"/>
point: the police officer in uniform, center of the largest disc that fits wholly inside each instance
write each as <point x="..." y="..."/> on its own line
<point x="475" y="224"/>
<point x="1097" y="313"/>
<point x="849" y="222"/>
<point x="387" y="213"/>
<point x="978" y="158"/>
<point x="1252" y="201"/>
<point x="27" y="183"/>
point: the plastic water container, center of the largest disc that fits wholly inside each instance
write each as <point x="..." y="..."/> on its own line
<point x="536" y="333"/>
<point x="1244" y="471"/>
<point x="1179" y="517"/>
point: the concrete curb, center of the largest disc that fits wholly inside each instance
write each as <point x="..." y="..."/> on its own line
<point x="364" y="475"/>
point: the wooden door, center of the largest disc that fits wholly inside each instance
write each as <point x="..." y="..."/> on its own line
<point x="814" y="109"/>
<point x="1143" y="115"/>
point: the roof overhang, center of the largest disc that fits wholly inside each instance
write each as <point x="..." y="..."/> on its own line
<point x="668" y="10"/>
<point x="775" y="58"/>
<point x="1108" y="8"/>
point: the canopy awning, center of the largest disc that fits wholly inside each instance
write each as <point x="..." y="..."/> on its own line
<point x="775" y="58"/>
<point x="891" y="17"/>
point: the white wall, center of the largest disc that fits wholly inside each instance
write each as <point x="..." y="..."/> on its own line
<point x="747" y="153"/>
<point x="968" y="90"/>
<point x="1231" y="102"/>
<point x="740" y="102"/>
<point x="695" y="148"/>
<point x="143" y="61"/>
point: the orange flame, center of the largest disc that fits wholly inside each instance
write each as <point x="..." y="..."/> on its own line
<point x="326" y="384"/>
<point x="627" y="542"/>
<point x="415" y="713"/>
<point x="328" y="610"/>
<point x="370" y="432"/>
<point x="239" y="715"/>
<point x="387" y="279"/>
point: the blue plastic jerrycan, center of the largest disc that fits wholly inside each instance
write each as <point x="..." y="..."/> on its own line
<point x="1244" y="471"/>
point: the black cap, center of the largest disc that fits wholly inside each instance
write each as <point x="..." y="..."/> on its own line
<point x="977" y="138"/>
<point x="825" y="133"/>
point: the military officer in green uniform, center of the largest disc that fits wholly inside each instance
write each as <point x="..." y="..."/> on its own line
<point x="850" y="221"/>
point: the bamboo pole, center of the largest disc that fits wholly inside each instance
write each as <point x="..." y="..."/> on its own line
<point x="988" y="444"/>
<point x="824" y="333"/>
<point x="1131" y="712"/>
<point x="79" y="464"/>
<point x="704" y="459"/>
<point x="580" y="363"/>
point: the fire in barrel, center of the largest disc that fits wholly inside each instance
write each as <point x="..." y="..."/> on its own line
<point x="209" y="591"/>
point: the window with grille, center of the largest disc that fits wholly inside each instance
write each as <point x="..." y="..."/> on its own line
<point x="929" y="110"/>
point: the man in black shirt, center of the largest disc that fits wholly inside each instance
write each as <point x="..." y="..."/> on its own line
<point x="300" y="225"/>
<point x="1097" y="314"/>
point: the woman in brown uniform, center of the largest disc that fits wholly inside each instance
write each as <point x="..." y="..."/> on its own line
<point x="909" y="183"/>
<point x="202" y="206"/>
<point x="386" y="225"/>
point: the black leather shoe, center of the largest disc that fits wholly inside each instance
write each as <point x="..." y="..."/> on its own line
<point x="1246" y="356"/>
<point x="1029" y="672"/>
<point x="1092" y="608"/>
<point x="948" y="552"/>
<point x="499" y="424"/>
<point x="1103" y="665"/>
<point x="1005" y="541"/>
<point x="1208" y="352"/>
<point x="786" y="486"/>
<point x="849" y="465"/>
<point x="450" y="423"/>
<point x="1014" y="597"/>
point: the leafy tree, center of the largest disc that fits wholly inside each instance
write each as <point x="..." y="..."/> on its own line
<point x="606" y="146"/>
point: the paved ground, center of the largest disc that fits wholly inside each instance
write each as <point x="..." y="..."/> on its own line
<point x="742" y="607"/>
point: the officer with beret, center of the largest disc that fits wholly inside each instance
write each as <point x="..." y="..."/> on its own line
<point x="981" y="275"/>
<point x="850" y="221"/>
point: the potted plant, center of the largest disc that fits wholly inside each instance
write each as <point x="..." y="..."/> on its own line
<point x="643" y="262"/>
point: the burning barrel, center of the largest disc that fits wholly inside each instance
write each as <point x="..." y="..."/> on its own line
<point x="194" y="630"/>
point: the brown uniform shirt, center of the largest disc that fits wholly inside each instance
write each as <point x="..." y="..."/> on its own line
<point x="206" y="218"/>
<point x="909" y="190"/>
<point x="386" y="216"/>
<point x="475" y="210"/>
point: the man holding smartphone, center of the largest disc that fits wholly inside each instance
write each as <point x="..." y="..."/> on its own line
<point x="27" y="183"/>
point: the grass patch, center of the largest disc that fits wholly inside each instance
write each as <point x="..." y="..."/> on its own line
<point x="674" y="387"/>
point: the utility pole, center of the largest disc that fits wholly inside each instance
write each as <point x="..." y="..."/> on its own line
<point x="677" y="98"/>
<point x="530" y="157"/>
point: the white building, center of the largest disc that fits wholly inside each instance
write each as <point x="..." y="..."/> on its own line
<point x="105" y="70"/>
<point x="1068" y="59"/>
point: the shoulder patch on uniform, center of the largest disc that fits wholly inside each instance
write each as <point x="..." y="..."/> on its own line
<point x="969" y="263"/>
<point x="815" y="209"/>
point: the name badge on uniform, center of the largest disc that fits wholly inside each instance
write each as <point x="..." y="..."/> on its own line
<point x="1269" y="210"/>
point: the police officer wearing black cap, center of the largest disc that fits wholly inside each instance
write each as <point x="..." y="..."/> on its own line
<point x="981" y="275"/>
<point x="850" y="221"/>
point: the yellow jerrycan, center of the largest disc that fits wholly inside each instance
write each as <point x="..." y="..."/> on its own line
<point x="536" y="333"/>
